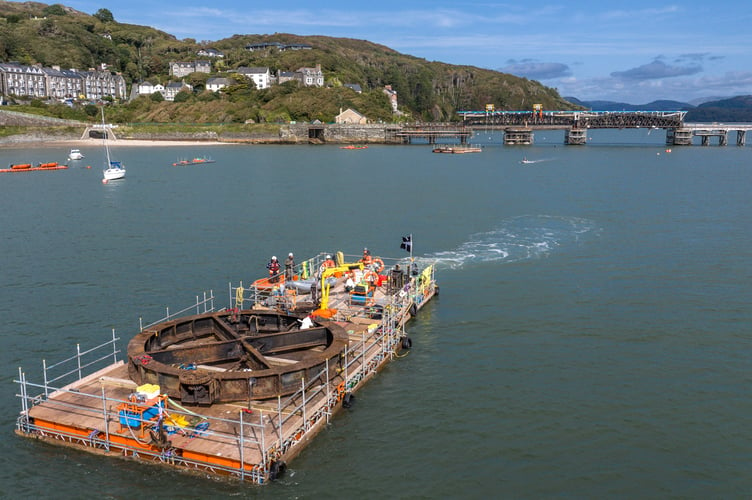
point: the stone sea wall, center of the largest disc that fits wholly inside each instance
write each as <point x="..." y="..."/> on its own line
<point x="294" y="133"/>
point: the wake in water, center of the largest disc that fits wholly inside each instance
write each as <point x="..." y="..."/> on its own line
<point x="525" y="161"/>
<point x="519" y="238"/>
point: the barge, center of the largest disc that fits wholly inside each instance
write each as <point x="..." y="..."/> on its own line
<point x="457" y="149"/>
<point x="237" y="391"/>
<point x="27" y="167"/>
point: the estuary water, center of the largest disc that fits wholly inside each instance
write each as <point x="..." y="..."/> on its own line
<point x="592" y="338"/>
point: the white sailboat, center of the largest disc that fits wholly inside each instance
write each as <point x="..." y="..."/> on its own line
<point x="114" y="169"/>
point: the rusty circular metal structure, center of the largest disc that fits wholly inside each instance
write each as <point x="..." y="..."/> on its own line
<point x="234" y="356"/>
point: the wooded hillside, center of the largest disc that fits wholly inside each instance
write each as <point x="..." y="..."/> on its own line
<point x="36" y="33"/>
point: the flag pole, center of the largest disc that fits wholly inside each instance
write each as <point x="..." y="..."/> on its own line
<point x="412" y="260"/>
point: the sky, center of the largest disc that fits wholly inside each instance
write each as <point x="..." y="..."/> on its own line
<point x="634" y="52"/>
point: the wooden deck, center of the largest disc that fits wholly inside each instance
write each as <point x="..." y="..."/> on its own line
<point x="247" y="440"/>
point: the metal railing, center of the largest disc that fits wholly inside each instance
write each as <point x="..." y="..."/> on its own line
<point x="73" y="367"/>
<point x="207" y="304"/>
<point x="300" y="412"/>
<point x="108" y="410"/>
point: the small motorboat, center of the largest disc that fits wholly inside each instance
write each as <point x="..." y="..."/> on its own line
<point x="525" y="161"/>
<point x="75" y="154"/>
<point x="352" y="146"/>
<point x="193" y="161"/>
<point x="457" y="149"/>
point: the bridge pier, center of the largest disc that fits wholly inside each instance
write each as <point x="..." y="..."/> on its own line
<point x="516" y="136"/>
<point x="740" y="136"/>
<point x="679" y="137"/>
<point x="576" y="136"/>
<point x="707" y="134"/>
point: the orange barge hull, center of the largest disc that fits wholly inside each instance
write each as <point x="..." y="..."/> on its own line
<point x="20" y="168"/>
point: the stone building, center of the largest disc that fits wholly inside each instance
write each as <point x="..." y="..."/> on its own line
<point x="181" y="69"/>
<point x="350" y="116"/>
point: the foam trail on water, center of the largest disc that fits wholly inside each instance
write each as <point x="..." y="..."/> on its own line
<point x="518" y="238"/>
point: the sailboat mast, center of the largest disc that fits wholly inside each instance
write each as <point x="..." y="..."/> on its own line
<point x="104" y="137"/>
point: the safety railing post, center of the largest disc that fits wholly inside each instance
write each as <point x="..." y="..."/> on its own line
<point x="106" y="421"/>
<point x="279" y="419"/>
<point x="44" y="373"/>
<point x="264" y="456"/>
<point x="328" y="389"/>
<point x="22" y="386"/>
<point x="363" y="356"/>
<point x="242" y="448"/>
<point x="114" y="347"/>
<point x="78" y="360"/>
<point x="346" y="366"/>
<point x="302" y="388"/>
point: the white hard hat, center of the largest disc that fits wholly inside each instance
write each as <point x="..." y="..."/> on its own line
<point x="274" y="257"/>
<point x="290" y="255"/>
<point x="328" y="256"/>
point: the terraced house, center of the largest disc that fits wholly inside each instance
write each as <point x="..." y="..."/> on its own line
<point x="181" y="69"/>
<point x="38" y="82"/>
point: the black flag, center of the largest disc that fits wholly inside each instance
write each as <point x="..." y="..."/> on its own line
<point x="407" y="243"/>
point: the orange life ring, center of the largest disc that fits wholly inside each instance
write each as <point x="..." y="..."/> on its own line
<point x="380" y="264"/>
<point x="371" y="277"/>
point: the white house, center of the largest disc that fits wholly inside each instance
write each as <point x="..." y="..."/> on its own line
<point x="392" y="95"/>
<point x="214" y="84"/>
<point x="260" y="76"/>
<point x="210" y="53"/>
<point x="147" y="88"/>
<point x="172" y="89"/>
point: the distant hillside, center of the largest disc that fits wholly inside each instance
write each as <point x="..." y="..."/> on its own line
<point x="703" y="100"/>
<point x="663" y="105"/>
<point x="36" y="33"/>
<point x="736" y="109"/>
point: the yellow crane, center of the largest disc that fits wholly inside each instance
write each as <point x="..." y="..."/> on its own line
<point x="331" y="271"/>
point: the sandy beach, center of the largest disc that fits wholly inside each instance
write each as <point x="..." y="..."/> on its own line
<point x="88" y="143"/>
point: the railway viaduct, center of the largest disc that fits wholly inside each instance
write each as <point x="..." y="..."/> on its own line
<point x="519" y="127"/>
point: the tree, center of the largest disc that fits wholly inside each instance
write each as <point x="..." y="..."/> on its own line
<point x="157" y="97"/>
<point x="54" y="10"/>
<point x="105" y="16"/>
<point x="182" y="96"/>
